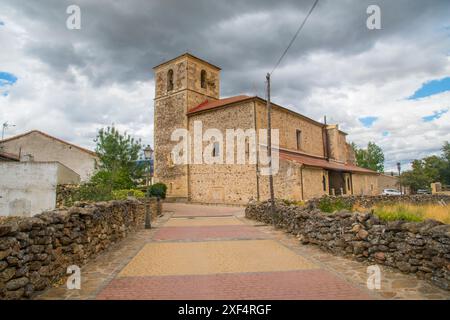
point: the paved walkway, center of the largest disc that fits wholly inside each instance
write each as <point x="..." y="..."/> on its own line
<point x="208" y="252"/>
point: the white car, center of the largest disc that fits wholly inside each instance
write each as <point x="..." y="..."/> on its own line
<point x="391" y="192"/>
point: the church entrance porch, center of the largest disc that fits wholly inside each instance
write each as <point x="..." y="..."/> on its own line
<point x="340" y="183"/>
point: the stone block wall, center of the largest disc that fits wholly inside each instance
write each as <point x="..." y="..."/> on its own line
<point x="35" y="252"/>
<point x="421" y="248"/>
<point x="288" y="122"/>
<point x="370" y="201"/>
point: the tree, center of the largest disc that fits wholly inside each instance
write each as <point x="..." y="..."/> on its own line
<point x="370" y="158"/>
<point x="428" y="170"/>
<point x="117" y="155"/>
<point x="416" y="178"/>
<point x="445" y="172"/>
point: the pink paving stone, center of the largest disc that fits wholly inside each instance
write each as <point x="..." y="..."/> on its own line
<point x="183" y="210"/>
<point x="293" y="285"/>
<point x="209" y="232"/>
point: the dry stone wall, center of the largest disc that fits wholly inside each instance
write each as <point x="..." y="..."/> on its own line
<point x="421" y="248"/>
<point x="35" y="252"/>
<point x="370" y="201"/>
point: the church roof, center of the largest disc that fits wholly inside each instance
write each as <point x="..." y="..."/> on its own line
<point x="318" y="162"/>
<point x="212" y="104"/>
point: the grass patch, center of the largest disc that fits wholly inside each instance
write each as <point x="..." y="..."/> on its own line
<point x="331" y="205"/>
<point x="124" y="194"/>
<point x="414" y="213"/>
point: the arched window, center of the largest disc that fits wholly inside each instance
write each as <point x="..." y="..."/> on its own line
<point x="203" y="79"/>
<point x="170" y="80"/>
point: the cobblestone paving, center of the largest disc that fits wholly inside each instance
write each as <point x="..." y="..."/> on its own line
<point x="197" y="252"/>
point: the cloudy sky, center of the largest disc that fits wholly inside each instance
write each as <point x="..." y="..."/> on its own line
<point x="390" y="86"/>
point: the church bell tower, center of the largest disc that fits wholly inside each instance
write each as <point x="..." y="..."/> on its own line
<point x="181" y="84"/>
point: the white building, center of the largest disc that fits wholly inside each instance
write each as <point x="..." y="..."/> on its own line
<point x="28" y="188"/>
<point x="39" y="146"/>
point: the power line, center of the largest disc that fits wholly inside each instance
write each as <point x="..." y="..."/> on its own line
<point x="295" y="36"/>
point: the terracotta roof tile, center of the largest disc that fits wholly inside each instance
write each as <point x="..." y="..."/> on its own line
<point x="207" y="105"/>
<point x="311" y="161"/>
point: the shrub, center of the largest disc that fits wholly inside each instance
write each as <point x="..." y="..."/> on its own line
<point x="123" y="194"/>
<point x="158" y="190"/>
<point x="94" y="193"/>
<point x="86" y="192"/>
<point x="331" y="205"/>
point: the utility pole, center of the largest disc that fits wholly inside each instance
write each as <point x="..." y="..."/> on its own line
<point x="269" y="146"/>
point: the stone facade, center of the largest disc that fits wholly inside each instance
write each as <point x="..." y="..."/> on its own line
<point x="222" y="183"/>
<point x="421" y="248"/>
<point x="187" y="92"/>
<point x="35" y="252"/>
<point x="178" y="89"/>
<point x="364" y="184"/>
<point x="288" y="122"/>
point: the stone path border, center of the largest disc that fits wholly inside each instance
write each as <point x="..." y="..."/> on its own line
<point x="394" y="285"/>
<point x="98" y="273"/>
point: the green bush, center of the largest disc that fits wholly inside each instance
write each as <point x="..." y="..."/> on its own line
<point x="331" y="205"/>
<point x="123" y="194"/>
<point x="117" y="180"/>
<point x="157" y="190"/>
<point x="87" y="192"/>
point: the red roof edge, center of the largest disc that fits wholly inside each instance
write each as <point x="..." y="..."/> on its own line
<point x="9" y="156"/>
<point x="213" y="104"/>
<point x="319" y="162"/>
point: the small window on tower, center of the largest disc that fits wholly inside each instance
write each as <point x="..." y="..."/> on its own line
<point x="299" y="139"/>
<point x="216" y="151"/>
<point x="170" y="80"/>
<point x="203" y="79"/>
<point x="247" y="146"/>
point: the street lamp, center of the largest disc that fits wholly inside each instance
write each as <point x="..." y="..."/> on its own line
<point x="399" y="178"/>
<point x="148" y="152"/>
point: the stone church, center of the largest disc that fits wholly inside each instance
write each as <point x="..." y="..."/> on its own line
<point x="314" y="158"/>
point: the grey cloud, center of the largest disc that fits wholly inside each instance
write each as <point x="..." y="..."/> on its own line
<point x="128" y="38"/>
<point x="120" y="42"/>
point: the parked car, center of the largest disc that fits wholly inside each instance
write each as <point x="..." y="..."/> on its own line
<point x="391" y="192"/>
<point x="423" y="191"/>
